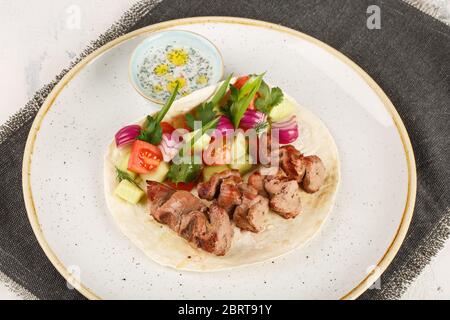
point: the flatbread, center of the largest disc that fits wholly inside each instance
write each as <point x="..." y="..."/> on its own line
<point x="279" y="237"/>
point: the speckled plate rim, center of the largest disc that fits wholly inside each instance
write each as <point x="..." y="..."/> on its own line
<point x="402" y="229"/>
<point x="130" y="61"/>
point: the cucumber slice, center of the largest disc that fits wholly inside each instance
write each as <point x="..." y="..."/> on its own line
<point x="158" y="174"/>
<point x="128" y="191"/>
<point x="244" y="164"/>
<point x="209" y="171"/>
<point x="123" y="165"/>
<point x="282" y="111"/>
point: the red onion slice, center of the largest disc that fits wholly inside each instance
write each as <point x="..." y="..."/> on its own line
<point x="127" y="135"/>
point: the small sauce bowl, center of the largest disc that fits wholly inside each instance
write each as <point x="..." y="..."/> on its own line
<point x="169" y="57"/>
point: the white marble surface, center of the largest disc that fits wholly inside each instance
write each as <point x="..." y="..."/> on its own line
<point x="39" y="38"/>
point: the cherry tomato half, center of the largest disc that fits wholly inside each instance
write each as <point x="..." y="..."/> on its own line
<point x="239" y="83"/>
<point x="144" y="157"/>
<point x="166" y="127"/>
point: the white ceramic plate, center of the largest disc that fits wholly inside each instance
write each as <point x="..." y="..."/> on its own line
<point x="63" y="182"/>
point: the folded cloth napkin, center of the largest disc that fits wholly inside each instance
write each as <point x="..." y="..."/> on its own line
<point x="408" y="57"/>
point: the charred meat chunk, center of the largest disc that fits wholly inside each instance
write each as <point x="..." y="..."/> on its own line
<point x="193" y="226"/>
<point x="249" y="215"/>
<point x="180" y="203"/>
<point x="229" y="195"/>
<point x="211" y="232"/>
<point x="209" y="190"/>
<point x="315" y="174"/>
<point x="291" y="161"/>
<point x="284" y="197"/>
<point x="157" y="194"/>
<point x="209" y="228"/>
<point x="256" y="180"/>
<point x="220" y="233"/>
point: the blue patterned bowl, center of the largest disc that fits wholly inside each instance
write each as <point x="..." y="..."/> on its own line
<point x="166" y="58"/>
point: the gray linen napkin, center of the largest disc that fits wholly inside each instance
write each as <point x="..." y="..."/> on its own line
<point x="408" y="57"/>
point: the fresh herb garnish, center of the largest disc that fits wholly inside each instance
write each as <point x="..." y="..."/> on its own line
<point x="241" y="98"/>
<point x="261" y="126"/>
<point x="188" y="172"/>
<point x="207" y="111"/>
<point x="210" y="125"/>
<point x="222" y="91"/>
<point x="268" y="98"/>
<point x="195" y="135"/>
<point x="184" y="172"/>
<point x="152" y="131"/>
<point x="123" y="175"/>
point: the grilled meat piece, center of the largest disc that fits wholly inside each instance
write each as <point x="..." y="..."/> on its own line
<point x="220" y="233"/>
<point x="235" y="196"/>
<point x="229" y="194"/>
<point x="291" y="161"/>
<point x="283" y="193"/>
<point x="157" y="194"/>
<point x="209" y="190"/>
<point x="249" y="215"/>
<point x="315" y="174"/>
<point x="180" y="203"/>
<point x="284" y="196"/>
<point x="208" y="228"/>
<point x="210" y="231"/>
<point x="193" y="226"/>
<point x="247" y="190"/>
<point x="256" y="180"/>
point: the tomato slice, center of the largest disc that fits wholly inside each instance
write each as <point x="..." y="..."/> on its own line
<point x="144" y="157"/>
<point x="166" y="127"/>
<point x="241" y="81"/>
<point x="181" y="185"/>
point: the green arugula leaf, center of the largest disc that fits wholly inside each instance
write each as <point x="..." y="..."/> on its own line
<point x="184" y="172"/>
<point x="152" y="131"/>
